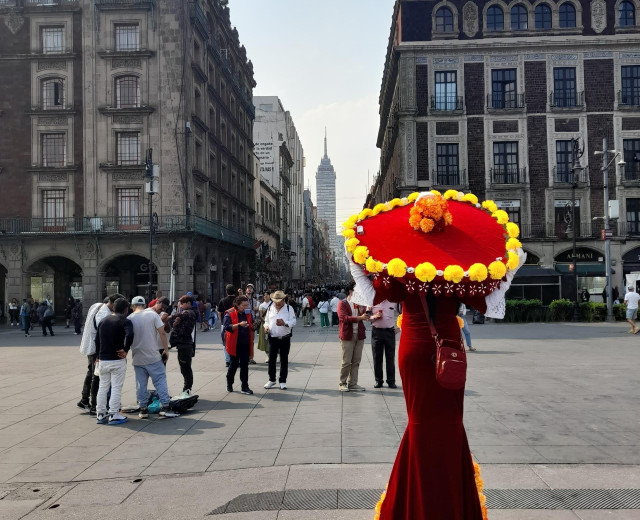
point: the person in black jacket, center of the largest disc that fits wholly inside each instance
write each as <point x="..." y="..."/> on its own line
<point x="183" y="337"/>
<point x="113" y="341"/>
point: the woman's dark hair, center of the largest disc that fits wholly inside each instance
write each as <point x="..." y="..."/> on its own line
<point x="239" y="300"/>
<point x="185" y="299"/>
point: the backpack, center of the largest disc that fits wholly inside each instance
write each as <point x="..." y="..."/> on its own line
<point x="182" y="405"/>
<point x="311" y="304"/>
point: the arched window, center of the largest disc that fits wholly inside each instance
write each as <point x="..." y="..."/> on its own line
<point x="567" y="14"/>
<point x="495" y="18"/>
<point x="52" y="93"/>
<point x="444" y="20"/>
<point x="127" y="92"/>
<point x="626" y="14"/>
<point x="543" y="17"/>
<point x="519" y="18"/>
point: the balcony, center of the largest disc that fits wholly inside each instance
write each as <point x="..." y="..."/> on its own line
<point x="631" y="172"/>
<point x="506" y="101"/>
<point x="123" y="4"/>
<point x="562" y="174"/>
<point x="38" y="3"/>
<point x="447" y="103"/>
<point x="567" y="99"/>
<point x="200" y="22"/>
<point x="564" y="231"/>
<point x="449" y="177"/>
<point x="506" y="175"/>
<point x="629" y="99"/>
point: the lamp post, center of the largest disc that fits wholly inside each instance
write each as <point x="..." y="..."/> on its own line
<point x="152" y="176"/>
<point x="576" y="169"/>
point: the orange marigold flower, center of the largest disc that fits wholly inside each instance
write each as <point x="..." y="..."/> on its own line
<point x="426" y="225"/>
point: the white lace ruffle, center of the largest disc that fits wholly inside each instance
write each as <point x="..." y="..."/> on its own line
<point x="363" y="293"/>
<point x="495" y="301"/>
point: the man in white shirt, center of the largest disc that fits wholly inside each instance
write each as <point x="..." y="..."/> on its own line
<point x="333" y="305"/>
<point x="383" y="342"/>
<point x="278" y="322"/>
<point x="148" y="334"/>
<point x="306" y="311"/>
<point x="631" y="301"/>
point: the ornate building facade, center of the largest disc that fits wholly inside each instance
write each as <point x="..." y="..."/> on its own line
<point x="92" y="86"/>
<point x="487" y="97"/>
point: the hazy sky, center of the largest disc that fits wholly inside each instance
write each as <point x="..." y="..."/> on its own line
<point x="324" y="60"/>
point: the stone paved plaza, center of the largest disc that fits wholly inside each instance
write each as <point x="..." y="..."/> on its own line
<point x="548" y="407"/>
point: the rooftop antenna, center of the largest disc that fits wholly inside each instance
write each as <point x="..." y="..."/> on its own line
<point x="325" y="142"/>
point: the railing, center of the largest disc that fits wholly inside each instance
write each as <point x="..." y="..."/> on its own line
<point x="632" y="171"/>
<point x="123" y="3"/>
<point x="447" y="103"/>
<point x="130" y="224"/>
<point x="629" y="98"/>
<point x="200" y="18"/>
<point x="47" y="2"/>
<point x="448" y="176"/>
<point x="586" y="231"/>
<point x="566" y="99"/>
<point x="506" y="101"/>
<point x="7" y="3"/>
<point x="563" y="174"/>
<point x="508" y="175"/>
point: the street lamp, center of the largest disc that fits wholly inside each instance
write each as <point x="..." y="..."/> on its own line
<point x="607" y="231"/>
<point x="152" y="176"/>
<point x="576" y="170"/>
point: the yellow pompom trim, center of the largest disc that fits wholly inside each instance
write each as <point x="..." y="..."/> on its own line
<point x="365" y="213"/>
<point x="501" y="216"/>
<point x="451" y="194"/>
<point x="413" y="196"/>
<point x="497" y="270"/>
<point x="399" y="321"/>
<point x="478" y="273"/>
<point x="513" y="261"/>
<point x="454" y="273"/>
<point x="378" y="208"/>
<point x="360" y="254"/>
<point x="513" y="243"/>
<point x="373" y="266"/>
<point x="490" y="206"/>
<point x="513" y="230"/>
<point x="470" y="197"/>
<point x="397" y="268"/>
<point x="349" y="233"/>
<point x="460" y="322"/>
<point x="350" y="222"/>
<point x="426" y="272"/>
<point x="351" y="244"/>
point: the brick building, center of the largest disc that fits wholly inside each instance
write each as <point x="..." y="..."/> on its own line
<point x="88" y="87"/>
<point x="487" y="96"/>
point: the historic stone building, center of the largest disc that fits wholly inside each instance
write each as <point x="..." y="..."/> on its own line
<point x="88" y="87"/>
<point x="486" y="96"/>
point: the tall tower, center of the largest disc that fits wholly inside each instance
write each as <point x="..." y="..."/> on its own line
<point x="326" y="195"/>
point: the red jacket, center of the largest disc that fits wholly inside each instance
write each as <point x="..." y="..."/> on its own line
<point x="346" y="320"/>
<point x="231" y="338"/>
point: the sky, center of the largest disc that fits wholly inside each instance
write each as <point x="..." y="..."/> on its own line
<point x="324" y="59"/>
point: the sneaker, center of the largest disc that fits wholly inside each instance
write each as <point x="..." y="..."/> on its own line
<point x="270" y="384"/>
<point x="377" y="385"/>
<point x="167" y="412"/>
<point x="392" y="385"/>
<point x="83" y="405"/>
<point x="227" y="364"/>
<point x="246" y="391"/>
<point x="92" y="411"/>
<point x="357" y="388"/>
<point x="283" y="386"/>
<point x="101" y="419"/>
<point x="144" y="413"/>
<point x="117" y="418"/>
<point x="75" y="333"/>
<point x="343" y="387"/>
<point x="229" y="388"/>
<point x="184" y="394"/>
<point x="252" y="361"/>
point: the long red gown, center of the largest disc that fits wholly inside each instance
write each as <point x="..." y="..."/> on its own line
<point x="433" y="475"/>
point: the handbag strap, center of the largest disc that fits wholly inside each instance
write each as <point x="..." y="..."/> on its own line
<point x="432" y="328"/>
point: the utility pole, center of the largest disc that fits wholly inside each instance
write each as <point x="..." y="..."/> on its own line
<point x="576" y="169"/>
<point x="187" y="177"/>
<point x="152" y="176"/>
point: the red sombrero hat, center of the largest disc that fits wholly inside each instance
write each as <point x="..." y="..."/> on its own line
<point x="443" y="243"/>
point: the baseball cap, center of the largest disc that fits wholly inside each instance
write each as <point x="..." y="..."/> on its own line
<point x="138" y="300"/>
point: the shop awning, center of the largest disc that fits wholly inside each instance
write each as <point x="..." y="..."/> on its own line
<point x="584" y="269"/>
<point x="535" y="270"/>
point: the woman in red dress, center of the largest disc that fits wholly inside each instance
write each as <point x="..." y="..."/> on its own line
<point x="466" y="254"/>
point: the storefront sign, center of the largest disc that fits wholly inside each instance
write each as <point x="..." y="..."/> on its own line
<point x="583" y="254"/>
<point x="505" y="204"/>
<point x="565" y="203"/>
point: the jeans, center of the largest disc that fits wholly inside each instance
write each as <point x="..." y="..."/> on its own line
<point x="77" y="325"/>
<point x="111" y="375"/>
<point x="241" y="359"/>
<point x="466" y="332"/>
<point x="13" y="315"/>
<point x="324" y="319"/>
<point x="334" y="319"/>
<point x="351" y="357"/>
<point x="46" y="324"/>
<point x="185" y="355"/>
<point x="158" y="374"/>
<point x="383" y="344"/>
<point x="91" y="382"/>
<point x="227" y="357"/>
<point x="26" y="320"/>
<point x="280" y="346"/>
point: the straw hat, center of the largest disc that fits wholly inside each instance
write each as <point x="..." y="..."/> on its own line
<point x="278" y="296"/>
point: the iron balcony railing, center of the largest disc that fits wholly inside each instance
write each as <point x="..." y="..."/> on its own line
<point x="563" y="174"/>
<point x="632" y="171"/>
<point x="587" y="231"/>
<point x="24" y="226"/>
<point x="447" y="103"/>
<point x="506" y="101"/>
<point x="629" y="98"/>
<point x="45" y="2"/>
<point x="566" y="99"/>
<point x="450" y="176"/>
<point x="123" y="3"/>
<point x="508" y="175"/>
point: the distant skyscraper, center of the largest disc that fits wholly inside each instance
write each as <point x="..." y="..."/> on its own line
<point x="326" y="195"/>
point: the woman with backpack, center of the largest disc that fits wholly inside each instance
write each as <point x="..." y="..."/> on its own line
<point x="47" y="318"/>
<point x="238" y="328"/>
<point x="323" y="309"/>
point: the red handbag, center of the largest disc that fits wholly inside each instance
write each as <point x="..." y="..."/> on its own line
<point x="450" y="358"/>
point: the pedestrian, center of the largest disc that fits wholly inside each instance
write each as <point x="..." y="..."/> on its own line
<point x="76" y="316"/>
<point x="155" y="300"/>
<point x="25" y="314"/>
<point x="383" y="342"/>
<point x="323" y="309"/>
<point x="352" y="335"/>
<point x="238" y="329"/>
<point x="462" y="312"/>
<point x="206" y="322"/>
<point x="213" y="319"/>
<point x="149" y="350"/>
<point x="47" y="319"/>
<point x="585" y="296"/>
<point x="263" y="341"/>
<point x="604" y="295"/>
<point x="13" y="311"/>
<point x="631" y="301"/>
<point x="615" y="294"/>
<point x="306" y="310"/>
<point x="183" y="338"/>
<point x="97" y="312"/>
<point x="333" y="305"/>
<point x="71" y="303"/>
<point x="253" y="310"/>
<point x="280" y="318"/>
<point x="223" y="306"/>
<point x="113" y="341"/>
